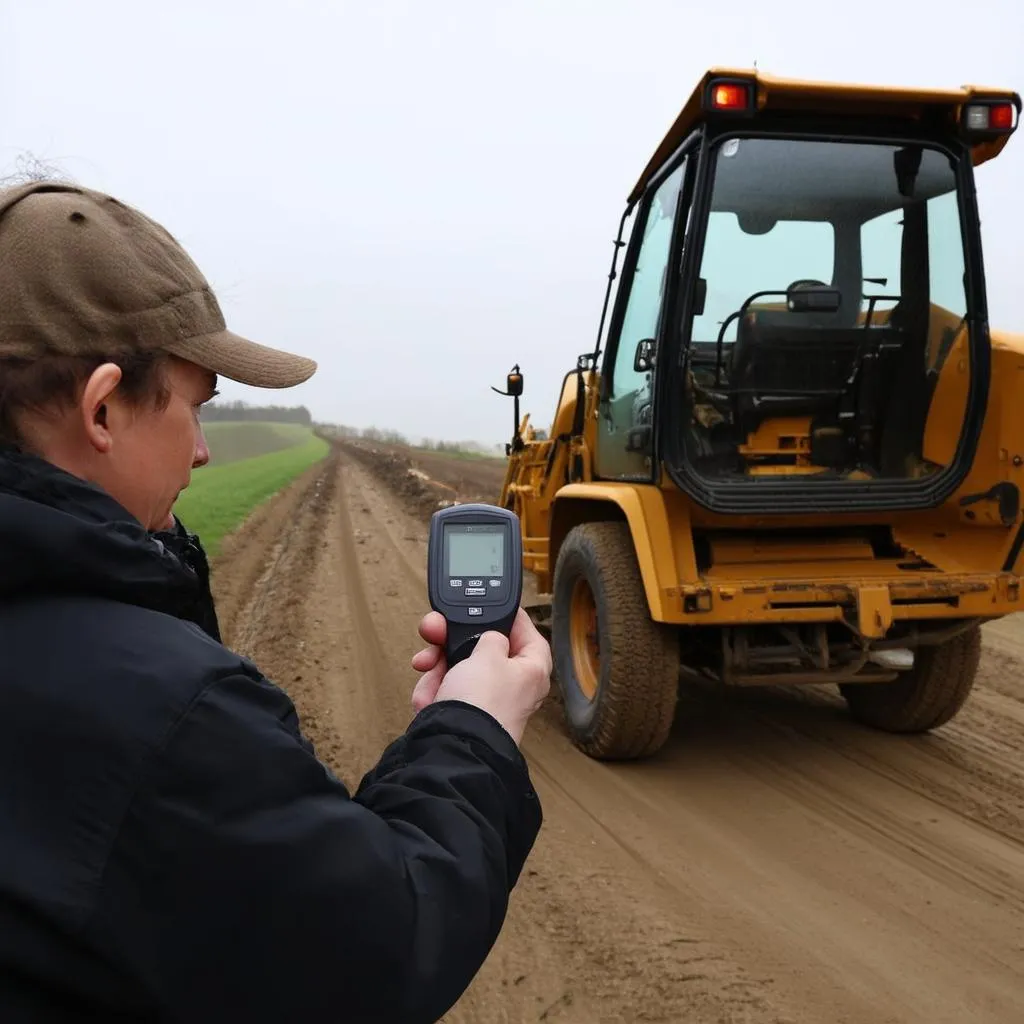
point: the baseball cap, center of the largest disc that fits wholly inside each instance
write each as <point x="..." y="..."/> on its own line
<point x="83" y="272"/>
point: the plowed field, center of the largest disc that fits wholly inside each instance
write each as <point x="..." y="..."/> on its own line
<point x="778" y="863"/>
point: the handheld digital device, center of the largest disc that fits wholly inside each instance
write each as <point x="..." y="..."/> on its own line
<point x="474" y="573"/>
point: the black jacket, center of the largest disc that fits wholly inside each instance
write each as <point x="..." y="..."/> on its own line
<point x="170" y="847"/>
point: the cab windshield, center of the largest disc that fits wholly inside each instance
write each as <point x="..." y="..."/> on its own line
<point x="831" y="339"/>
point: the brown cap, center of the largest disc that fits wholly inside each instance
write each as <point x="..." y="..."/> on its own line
<point x="82" y="272"/>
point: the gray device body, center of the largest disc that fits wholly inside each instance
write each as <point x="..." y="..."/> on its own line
<point x="474" y="573"/>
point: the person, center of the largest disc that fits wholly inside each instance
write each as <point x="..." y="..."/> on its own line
<point x="171" y="848"/>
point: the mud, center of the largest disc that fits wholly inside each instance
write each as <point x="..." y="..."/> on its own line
<point x="776" y="863"/>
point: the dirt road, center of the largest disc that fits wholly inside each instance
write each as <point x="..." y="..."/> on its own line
<point x="776" y="864"/>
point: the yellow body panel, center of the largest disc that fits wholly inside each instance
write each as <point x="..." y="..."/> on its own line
<point x="659" y="523"/>
<point x="809" y="581"/>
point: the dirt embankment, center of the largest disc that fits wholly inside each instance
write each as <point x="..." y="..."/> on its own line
<point x="426" y="481"/>
<point x="776" y="863"/>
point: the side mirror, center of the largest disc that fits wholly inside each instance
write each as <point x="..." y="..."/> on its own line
<point x="813" y="299"/>
<point x="643" y="358"/>
<point x="513" y="384"/>
<point x="513" y="390"/>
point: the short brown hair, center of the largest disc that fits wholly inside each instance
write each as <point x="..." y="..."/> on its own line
<point x="55" y="382"/>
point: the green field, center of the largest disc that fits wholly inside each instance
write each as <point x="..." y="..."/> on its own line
<point x="253" y="463"/>
<point x="229" y="442"/>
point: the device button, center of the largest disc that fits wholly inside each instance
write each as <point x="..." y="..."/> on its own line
<point x="495" y="583"/>
<point x="455" y="583"/>
<point x="475" y="591"/>
<point x="476" y="611"/>
<point x="475" y="583"/>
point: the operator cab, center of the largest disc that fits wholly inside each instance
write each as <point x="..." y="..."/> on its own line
<point x="801" y="314"/>
<point x="833" y="300"/>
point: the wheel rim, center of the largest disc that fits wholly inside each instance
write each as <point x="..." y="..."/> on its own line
<point x="586" y="650"/>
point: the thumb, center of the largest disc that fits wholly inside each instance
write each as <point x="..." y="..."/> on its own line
<point x="492" y="646"/>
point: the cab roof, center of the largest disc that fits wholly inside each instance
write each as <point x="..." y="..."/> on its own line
<point x="774" y="93"/>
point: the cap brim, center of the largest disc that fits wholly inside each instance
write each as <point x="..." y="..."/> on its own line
<point x="232" y="356"/>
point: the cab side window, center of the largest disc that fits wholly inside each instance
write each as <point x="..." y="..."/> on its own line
<point x="627" y="402"/>
<point x="647" y="287"/>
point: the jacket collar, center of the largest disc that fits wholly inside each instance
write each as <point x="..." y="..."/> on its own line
<point x="60" y="534"/>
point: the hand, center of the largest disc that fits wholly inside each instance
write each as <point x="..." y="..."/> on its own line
<point x="507" y="678"/>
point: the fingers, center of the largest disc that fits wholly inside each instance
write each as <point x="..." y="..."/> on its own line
<point x="492" y="645"/>
<point x="426" y="659"/>
<point x="525" y="646"/>
<point x="427" y="686"/>
<point x="526" y="642"/>
<point x="430" y="660"/>
<point x="523" y="631"/>
<point x="524" y="638"/>
<point x="433" y="629"/>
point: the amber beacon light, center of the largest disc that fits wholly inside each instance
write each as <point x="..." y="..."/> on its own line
<point x="729" y="96"/>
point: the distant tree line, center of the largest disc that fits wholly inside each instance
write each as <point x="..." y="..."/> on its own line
<point x="365" y="434"/>
<point x="242" y="412"/>
<point x="380" y="435"/>
<point x="474" y="447"/>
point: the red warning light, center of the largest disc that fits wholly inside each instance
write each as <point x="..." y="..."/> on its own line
<point x="1000" y="118"/>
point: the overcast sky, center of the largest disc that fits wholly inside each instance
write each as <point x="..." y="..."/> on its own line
<point x="419" y="194"/>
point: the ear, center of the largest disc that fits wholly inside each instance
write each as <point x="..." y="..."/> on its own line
<point x="93" y="405"/>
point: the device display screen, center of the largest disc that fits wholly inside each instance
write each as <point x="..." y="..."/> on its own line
<point x="476" y="550"/>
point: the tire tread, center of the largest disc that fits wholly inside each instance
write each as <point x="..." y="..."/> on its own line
<point x="930" y="694"/>
<point x="639" y="688"/>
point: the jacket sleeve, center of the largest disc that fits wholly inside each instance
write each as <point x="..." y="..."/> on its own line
<point x="246" y="883"/>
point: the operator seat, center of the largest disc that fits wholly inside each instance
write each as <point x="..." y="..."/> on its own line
<point x="772" y="358"/>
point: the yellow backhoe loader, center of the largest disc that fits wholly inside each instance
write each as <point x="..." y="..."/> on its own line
<point x="795" y="453"/>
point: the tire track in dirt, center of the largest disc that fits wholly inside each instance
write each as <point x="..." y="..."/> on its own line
<point x="879" y="903"/>
<point x="267" y="580"/>
<point x="777" y="863"/>
<point x="334" y="621"/>
<point x="551" y="922"/>
<point x="248" y="553"/>
<point x="576" y="947"/>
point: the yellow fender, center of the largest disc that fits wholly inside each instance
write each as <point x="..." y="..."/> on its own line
<point x="659" y="525"/>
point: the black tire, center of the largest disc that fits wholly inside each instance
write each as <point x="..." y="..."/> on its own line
<point x="927" y="696"/>
<point x="636" y="674"/>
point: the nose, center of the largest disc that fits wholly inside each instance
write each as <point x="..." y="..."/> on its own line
<point x="201" y="455"/>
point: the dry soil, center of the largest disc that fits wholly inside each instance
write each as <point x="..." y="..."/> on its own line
<point x="776" y="863"/>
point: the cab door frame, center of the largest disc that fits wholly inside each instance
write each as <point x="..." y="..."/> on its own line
<point x="607" y="435"/>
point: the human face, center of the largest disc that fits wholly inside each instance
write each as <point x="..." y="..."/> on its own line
<point x="150" y="452"/>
